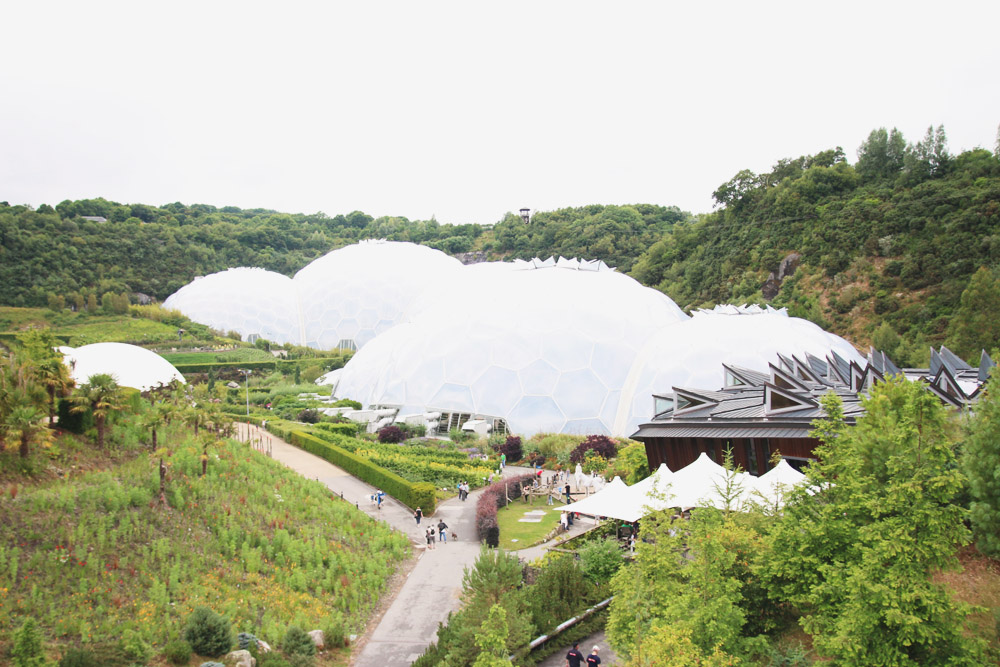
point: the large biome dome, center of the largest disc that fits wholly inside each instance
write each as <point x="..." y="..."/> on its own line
<point x="252" y="302"/>
<point x="544" y="346"/>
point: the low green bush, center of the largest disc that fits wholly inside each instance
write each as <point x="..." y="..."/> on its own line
<point x="208" y="633"/>
<point x="27" y="650"/>
<point x="78" y="657"/>
<point x="349" y="429"/>
<point x="177" y="652"/>
<point x="297" y="642"/>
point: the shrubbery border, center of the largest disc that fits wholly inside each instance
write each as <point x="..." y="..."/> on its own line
<point x="418" y="494"/>
<point x="493" y="498"/>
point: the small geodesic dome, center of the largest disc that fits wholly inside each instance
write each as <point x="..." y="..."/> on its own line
<point x="690" y="354"/>
<point x="252" y="302"/>
<point x="350" y="295"/>
<point x="130" y="365"/>
<point x="543" y="345"/>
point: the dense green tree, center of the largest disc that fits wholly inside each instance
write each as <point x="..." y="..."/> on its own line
<point x="492" y="640"/>
<point x="981" y="464"/>
<point x="976" y="323"/>
<point x="881" y="155"/>
<point x="855" y="551"/>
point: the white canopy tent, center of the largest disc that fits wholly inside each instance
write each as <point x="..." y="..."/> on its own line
<point x="606" y="502"/>
<point x="772" y="486"/>
<point x="705" y="483"/>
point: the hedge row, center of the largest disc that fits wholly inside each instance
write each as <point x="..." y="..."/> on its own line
<point x="283" y="365"/>
<point x="349" y="429"/>
<point x="419" y="494"/>
<point x="493" y="498"/>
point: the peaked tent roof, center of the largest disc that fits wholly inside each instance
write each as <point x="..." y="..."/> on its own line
<point x="605" y="502"/>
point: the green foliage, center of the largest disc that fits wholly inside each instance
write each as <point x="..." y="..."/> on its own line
<point x="631" y="463"/>
<point x="402" y="490"/>
<point x="208" y="633"/>
<point x="178" y="652"/>
<point x="857" y="555"/>
<point x="981" y="465"/>
<point x="692" y="577"/>
<point x="78" y="657"/>
<point x="600" y="560"/>
<point x="297" y="642"/>
<point x="27" y="645"/>
<point x="134" y="647"/>
<point x="667" y="646"/>
<point x="560" y="591"/>
<point x="975" y="325"/>
<point x="492" y="641"/>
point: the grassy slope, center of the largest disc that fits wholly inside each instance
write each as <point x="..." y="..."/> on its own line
<point x="94" y="555"/>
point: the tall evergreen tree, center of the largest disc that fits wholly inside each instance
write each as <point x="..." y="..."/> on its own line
<point x="976" y="324"/>
<point x="981" y="463"/>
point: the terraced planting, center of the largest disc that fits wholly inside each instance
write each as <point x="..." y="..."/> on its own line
<point x="443" y="468"/>
<point x="96" y="558"/>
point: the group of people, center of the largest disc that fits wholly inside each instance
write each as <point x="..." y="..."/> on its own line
<point x="377" y="498"/>
<point x="440" y="534"/>
<point x="575" y="659"/>
<point x="463" y="490"/>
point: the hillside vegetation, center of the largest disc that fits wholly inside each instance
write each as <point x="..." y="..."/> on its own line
<point x="879" y="251"/>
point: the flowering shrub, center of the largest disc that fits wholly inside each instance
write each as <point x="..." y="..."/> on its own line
<point x="601" y="445"/>
<point x="493" y="498"/>
<point x="391" y="434"/>
<point x="512" y="448"/>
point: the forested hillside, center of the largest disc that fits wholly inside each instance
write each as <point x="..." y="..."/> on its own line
<point x="887" y="246"/>
<point x="880" y="251"/>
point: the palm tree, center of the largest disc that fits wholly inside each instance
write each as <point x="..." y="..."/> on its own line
<point x="54" y="375"/>
<point x="103" y="397"/>
<point x="18" y="393"/>
<point x="26" y="424"/>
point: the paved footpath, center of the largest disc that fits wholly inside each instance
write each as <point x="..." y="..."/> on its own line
<point x="432" y="588"/>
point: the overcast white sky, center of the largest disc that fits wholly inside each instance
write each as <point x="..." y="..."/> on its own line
<point x="467" y="110"/>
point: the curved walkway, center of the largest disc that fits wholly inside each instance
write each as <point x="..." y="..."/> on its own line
<point x="432" y="588"/>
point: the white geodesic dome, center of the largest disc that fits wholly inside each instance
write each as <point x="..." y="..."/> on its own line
<point x="130" y="365"/>
<point x="544" y="345"/>
<point x="350" y="295"/>
<point x="690" y="354"/>
<point x="249" y="301"/>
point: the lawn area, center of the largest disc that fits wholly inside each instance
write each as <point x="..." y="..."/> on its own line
<point x="236" y="356"/>
<point x="526" y="534"/>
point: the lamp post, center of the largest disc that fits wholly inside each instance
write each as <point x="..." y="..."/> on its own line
<point x="246" y="374"/>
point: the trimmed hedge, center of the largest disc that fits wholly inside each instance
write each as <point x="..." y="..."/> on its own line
<point x="420" y="494"/>
<point x="349" y="429"/>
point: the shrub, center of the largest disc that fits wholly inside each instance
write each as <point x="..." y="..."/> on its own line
<point x="347" y="403"/>
<point x="297" y="642"/>
<point x="77" y="657"/>
<point x="334" y="633"/>
<point x="135" y="647"/>
<point x="27" y="650"/>
<point x="178" y="652"/>
<point x="245" y="641"/>
<point x="420" y="494"/>
<point x="208" y="633"/>
<point x="272" y="659"/>
<point x="391" y="434"/>
<point x="601" y="445"/>
<point x="348" y="428"/>
<point x="512" y="448"/>
<point x="211" y="664"/>
<point x="599" y="560"/>
<point x="309" y="416"/>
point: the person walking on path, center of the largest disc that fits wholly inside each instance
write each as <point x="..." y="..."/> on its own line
<point x="417" y="515"/>
<point x="429" y="536"/>
<point x="593" y="660"/>
<point x="443" y="531"/>
<point x="568" y="501"/>
<point x="574" y="658"/>
<point x="503" y="461"/>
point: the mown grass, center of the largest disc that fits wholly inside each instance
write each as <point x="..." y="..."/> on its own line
<point x="95" y="555"/>
<point x="516" y="535"/>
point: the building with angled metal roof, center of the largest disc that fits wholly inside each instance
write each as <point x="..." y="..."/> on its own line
<point x="759" y="414"/>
